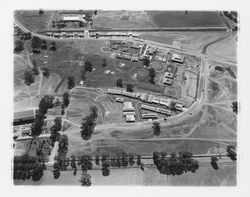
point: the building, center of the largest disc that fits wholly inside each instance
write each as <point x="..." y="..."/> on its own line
<point x="24" y="117"/>
<point x="167" y="81"/>
<point x="165" y="102"/>
<point x="163" y="111"/>
<point x="149" y="108"/>
<point x="119" y="99"/>
<point x="129" y="94"/>
<point x="156" y="100"/>
<point x="169" y="75"/>
<point x="130" y="118"/>
<point x="129" y="113"/>
<point x="178" y="106"/>
<point x="149" y="116"/>
<point x="177" y="58"/>
<point x="128" y="107"/>
<point x="114" y="91"/>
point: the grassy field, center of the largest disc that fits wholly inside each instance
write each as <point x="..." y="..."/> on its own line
<point x="188" y="40"/>
<point x="226" y="48"/>
<point x="32" y="20"/>
<point x="79" y="108"/>
<point x="122" y="19"/>
<point x="191" y="19"/>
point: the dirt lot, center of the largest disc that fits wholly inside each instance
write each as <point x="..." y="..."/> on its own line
<point x="191" y="19"/>
<point x="122" y="19"/>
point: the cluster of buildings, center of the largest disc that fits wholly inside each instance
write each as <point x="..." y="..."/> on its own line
<point x="66" y="34"/>
<point x="168" y="78"/>
<point x="115" y="34"/>
<point x="148" y="99"/>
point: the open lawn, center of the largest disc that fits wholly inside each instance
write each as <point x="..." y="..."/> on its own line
<point x="181" y="19"/>
<point x="122" y="19"/>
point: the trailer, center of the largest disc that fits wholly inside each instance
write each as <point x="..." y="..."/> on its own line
<point x="149" y="116"/>
<point x="114" y="91"/>
<point x="149" y="108"/>
<point x="163" y="111"/>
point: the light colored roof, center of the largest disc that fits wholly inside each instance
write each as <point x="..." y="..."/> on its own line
<point x="71" y="18"/>
<point x="127" y="104"/>
<point x="130" y="118"/>
<point x="24" y="114"/>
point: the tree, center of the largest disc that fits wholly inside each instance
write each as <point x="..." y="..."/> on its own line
<point x="214" y="163"/>
<point x="46" y="72"/>
<point x="36" y="43"/>
<point x="73" y="164"/>
<point x="156" y="128"/>
<point x="83" y="75"/>
<point x="146" y="61"/>
<point x="37" y="173"/>
<point x="18" y="46"/>
<point x="41" y="12"/>
<point x="93" y="112"/>
<point x="138" y="161"/>
<point x="151" y="75"/>
<point x="87" y="128"/>
<point x="86" y="163"/>
<point x="105" y="168"/>
<point x="85" y="179"/>
<point x="131" y="160"/>
<point x="88" y="67"/>
<point x="130" y="88"/>
<point x="45" y="104"/>
<point x="56" y="171"/>
<point x="26" y="36"/>
<point x="235" y="107"/>
<point x="26" y="167"/>
<point x="124" y="160"/>
<point x="104" y="63"/>
<point x="29" y="78"/>
<point x="97" y="160"/>
<point x="231" y="152"/>
<point x="44" y="44"/>
<point x="53" y="46"/>
<point x="35" y="68"/>
<point x="71" y="82"/>
<point x="36" y="127"/>
<point x="119" y="83"/>
<point x="54" y="135"/>
<point x="65" y="99"/>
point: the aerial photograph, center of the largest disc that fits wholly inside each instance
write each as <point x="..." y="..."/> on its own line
<point x="124" y="97"/>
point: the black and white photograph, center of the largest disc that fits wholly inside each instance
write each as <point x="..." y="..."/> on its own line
<point x="106" y="96"/>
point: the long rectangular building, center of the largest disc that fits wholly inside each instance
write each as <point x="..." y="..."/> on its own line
<point x="149" y="108"/>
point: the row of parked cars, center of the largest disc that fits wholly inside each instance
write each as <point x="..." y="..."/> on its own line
<point x="65" y="34"/>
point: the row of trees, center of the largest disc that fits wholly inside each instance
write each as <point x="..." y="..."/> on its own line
<point x="26" y="167"/>
<point x="45" y="104"/>
<point x="175" y="164"/>
<point x="88" y="123"/>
